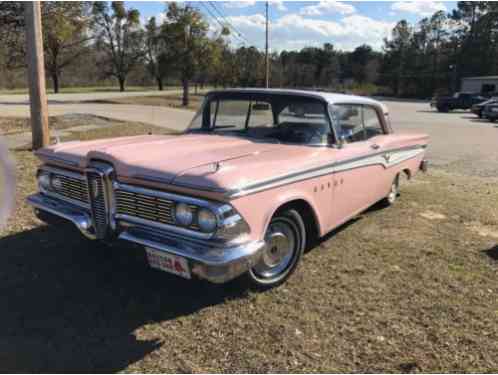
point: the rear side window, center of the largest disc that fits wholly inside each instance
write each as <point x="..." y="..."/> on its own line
<point x="350" y="124"/>
<point x="357" y="122"/>
<point x="373" y="127"/>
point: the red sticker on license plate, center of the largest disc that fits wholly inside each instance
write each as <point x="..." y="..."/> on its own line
<point x="168" y="262"/>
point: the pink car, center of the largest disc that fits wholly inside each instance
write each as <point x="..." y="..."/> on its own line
<point x="255" y="179"/>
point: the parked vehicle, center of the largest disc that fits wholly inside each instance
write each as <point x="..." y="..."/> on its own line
<point x="255" y="179"/>
<point x="477" y="109"/>
<point x="459" y="100"/>
<point x="490" y="112"/>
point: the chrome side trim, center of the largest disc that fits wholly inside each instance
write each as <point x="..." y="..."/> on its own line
<point x="343" y="165"/>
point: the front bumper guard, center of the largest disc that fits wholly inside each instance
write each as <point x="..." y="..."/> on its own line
<point x="216" y="263"/>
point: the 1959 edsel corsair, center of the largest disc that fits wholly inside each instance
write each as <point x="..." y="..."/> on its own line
<point x="256" y="177"/>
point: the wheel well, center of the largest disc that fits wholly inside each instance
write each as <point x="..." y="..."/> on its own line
<point x="407" y="173"/>
<point x="310" y="221"/>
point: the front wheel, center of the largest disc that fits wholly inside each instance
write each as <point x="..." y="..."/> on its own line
<point x="285" y="242"/>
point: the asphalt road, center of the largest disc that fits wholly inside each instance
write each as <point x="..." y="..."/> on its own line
<point x="460" y="142"/>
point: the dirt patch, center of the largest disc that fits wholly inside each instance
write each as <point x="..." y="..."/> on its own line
<point x="431" y="215"/>
<point x="484" y="230"/>
<point x="388" y="292"/>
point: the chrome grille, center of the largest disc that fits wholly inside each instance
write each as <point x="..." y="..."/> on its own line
<point x="97" y="201"/>
<point x="72" y="187"/>
<point x="144" y="207"/>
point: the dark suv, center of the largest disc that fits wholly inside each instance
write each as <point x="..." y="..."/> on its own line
<point x="460" y="100"/>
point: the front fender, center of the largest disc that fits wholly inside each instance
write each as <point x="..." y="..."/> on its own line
<point x="258" y="209"/>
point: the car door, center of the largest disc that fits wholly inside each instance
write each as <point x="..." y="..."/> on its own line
<point x="359" y="178"/>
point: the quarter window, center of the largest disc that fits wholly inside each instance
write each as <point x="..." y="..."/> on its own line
<point x="373" y="127"/>
<point x="350" y="124"/>
<point x="357" y="123"/>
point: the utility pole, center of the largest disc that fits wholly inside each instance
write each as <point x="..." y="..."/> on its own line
<point x="36" y="75"/>
<point x="267" y="61"/>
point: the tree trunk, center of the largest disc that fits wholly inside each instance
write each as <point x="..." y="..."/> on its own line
<point x="121" y="84"/>
<point x="185" y="99"/>
<point x="55" y="82"/>
<point x="159" y="81"/>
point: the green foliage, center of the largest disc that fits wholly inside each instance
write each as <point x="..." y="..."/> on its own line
<point x="120" y="39"/>
<point x="65" y="35"/>
<point x="185" y="31"/>
<point x="434" y="54"/>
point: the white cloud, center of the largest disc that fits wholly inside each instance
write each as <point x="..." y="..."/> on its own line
<point x="239" y="4"/>
<point x="160" y="18"/>
<point x="279" y="4"/>
<point x="421" y="8"/>
<point x="293" y="31"/>
<point x="327" y="7"/>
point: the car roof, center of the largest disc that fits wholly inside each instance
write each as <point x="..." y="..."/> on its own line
<point x="329" y="97"/>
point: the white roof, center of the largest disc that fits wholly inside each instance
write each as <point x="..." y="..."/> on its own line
<point x="330" y="97"/>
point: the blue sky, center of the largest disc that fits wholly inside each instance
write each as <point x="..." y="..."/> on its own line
<point x="308" y="23"/>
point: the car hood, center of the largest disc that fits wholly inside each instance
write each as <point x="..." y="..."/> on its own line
<point x="212" y="162"/>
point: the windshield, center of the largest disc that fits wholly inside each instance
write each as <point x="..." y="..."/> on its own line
<point x="281" y="118"/>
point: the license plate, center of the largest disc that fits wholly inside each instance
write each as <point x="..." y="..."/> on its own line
<point x="168" y="262"/>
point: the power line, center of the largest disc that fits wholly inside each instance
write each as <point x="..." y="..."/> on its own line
<point x="217" y="20"/>
<point x="237" y="31"/>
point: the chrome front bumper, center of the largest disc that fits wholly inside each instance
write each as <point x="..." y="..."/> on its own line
<point x="216" y="263"/>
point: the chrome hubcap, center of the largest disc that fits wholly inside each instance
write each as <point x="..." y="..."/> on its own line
<point x="280" y="246"/>
<point x="393" y="193"/>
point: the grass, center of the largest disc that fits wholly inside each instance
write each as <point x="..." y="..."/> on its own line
<point x="88" y="89"/>
<point x="172" y="101"/>
<point x="410" y="288"/>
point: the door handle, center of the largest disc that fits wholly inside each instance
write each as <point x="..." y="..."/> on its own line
<point x="375" y="146"/>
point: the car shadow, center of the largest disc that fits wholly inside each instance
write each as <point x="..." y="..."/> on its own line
<point x="492" y="252"/>
<point x="73" y="305"/>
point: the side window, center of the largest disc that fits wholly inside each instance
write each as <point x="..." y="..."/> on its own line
<point x="373" y="127"/>
<point x="350" y="124"/>
<point x="231" y="114"/>
<point x="261" y="115"/>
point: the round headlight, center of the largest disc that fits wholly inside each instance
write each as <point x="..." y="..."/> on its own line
<point x="44" y="181"/>
<point x="56" y="183"/>
<point x="184" y="215"/>
<point x="207" y="220"/>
